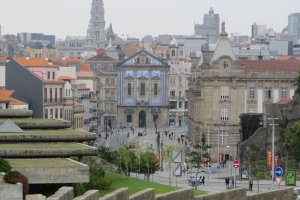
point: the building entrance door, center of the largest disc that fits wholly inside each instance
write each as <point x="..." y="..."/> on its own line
<point x="142" y="119"/>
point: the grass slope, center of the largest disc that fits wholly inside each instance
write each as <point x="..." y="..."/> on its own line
<point x="135" y="185"/>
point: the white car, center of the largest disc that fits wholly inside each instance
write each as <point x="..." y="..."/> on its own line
<point x="297" y="192"/>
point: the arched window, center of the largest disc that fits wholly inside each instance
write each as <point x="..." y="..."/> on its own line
<point x="173" y="52"/>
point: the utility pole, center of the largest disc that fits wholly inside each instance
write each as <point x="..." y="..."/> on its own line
<point x="273" y="148"/>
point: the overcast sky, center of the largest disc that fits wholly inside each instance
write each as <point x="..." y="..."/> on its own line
<point x="141" y="17"/>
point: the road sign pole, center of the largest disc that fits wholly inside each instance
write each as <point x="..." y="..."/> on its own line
<point x="234" y="184"/>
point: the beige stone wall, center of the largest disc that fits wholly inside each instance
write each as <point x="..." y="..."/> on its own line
<point x="184" y="194"/>
<point x="120" y="194"/>
<point x="64" y="193"/>
<point x="11" y="191"/>
<point x="283" y="194"/>
<point x="237" y="194"/>
<point x="148" y="194"/>
<point x="89" y="195"/>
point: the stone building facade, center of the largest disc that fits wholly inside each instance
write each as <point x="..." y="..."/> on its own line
<point x="142" y="91"/>
<point x="178" y="75"/>
<point x="222" y="88"/>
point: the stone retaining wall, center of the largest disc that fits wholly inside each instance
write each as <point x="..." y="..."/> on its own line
<point x="185" y="194"/>
<point x="120" y="194"/>
<point x="148" y="194"/>
<point x="35" y="197"/>
<point x="236" y="194"/>
<point x="89" y="195"/>
<point x="283" y="194"/>
<point x="64" y="193"/>
<point x="11" y="191"/>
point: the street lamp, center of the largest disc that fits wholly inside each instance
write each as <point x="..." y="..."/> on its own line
<point x="273" y="148"/>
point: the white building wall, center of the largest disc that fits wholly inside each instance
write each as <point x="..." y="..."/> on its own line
<point x="276" y="96"/>
<point x="292" y="93"/>
<point x="2" y="75"/>
<point x="67" y="71"/>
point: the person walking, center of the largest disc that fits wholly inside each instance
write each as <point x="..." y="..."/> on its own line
<point x="203" y="180"/>
<point x="200" y="180"/>
<point x="250" y="184"/>
<point x="227" y="183"/>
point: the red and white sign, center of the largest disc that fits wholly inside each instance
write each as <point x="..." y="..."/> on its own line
<point x="236" y="164"/>
<point x="278" y="179"/>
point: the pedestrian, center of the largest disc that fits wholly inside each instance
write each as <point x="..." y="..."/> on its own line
<point x="183" y="171"/>
<point x="178" y="139"/>
<point x="193" y="181"/>
<point x="200" y="180"/>
<point x="128" y="134"/>
<point x="203" y="180"/>
<point x="185" y="143"/>
<point x="232" y="183"/>
<point x="227" y="183"/>
<point x="250" y="184"/>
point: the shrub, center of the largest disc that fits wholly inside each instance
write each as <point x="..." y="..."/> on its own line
<point x="4" y="165"/>
<point x="16" y="177"/>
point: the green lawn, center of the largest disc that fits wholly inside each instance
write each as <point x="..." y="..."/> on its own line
<point x="52" y="132"/>
<point x="44" y="146"/>
<point x="43" y="162"/>
<point x="30" y="120"/>
<point x="135" y="185"/>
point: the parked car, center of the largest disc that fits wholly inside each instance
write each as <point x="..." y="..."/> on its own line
<point x="297" y="192"/>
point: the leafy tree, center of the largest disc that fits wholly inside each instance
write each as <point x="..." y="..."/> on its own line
<point x="35" y="45"/>
<point x="106" y="153"/>
<point x="148" y="163"/>
<point x="201" y="156"/>
<point x="257" y="168"/>
<point x="4" y="165"/>
<point x="289" y="140"/>
<point x="50" y="46"/>
<point x="169" y="159"/>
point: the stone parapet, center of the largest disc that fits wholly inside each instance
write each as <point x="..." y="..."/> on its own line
<point x="184" y="194"/>
<point x="236" y="194"/>
<point x="35" y="197"/>
<point x="64" y="193"/>
<point x="120" y="194"/>
<point x="11" y="191"/>
<point x="283" y="194"/>
<point x="89" y="195"/>
<point x="14" y="113"/>
<point x="148" y="194"/>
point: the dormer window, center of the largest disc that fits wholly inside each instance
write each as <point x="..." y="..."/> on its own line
<point x="225" y="64"/>
<point x="173" y="52"/>
<point x="137" y="60"/>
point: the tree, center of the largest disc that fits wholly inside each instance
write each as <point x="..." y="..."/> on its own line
<point x="256" y="165"/>
<point x="290" y="138"/>
<point x="201" y="156"/>
<point x="50" y="46"/>
<point x="148" y="163"/>
<point x="106" y="153"/>
<point x="169" y="159"/>
<point x="4" y="165"/>
<point x="35" y="45"/>
<point x="16" y="177"/>
<point x="298" y="84"/>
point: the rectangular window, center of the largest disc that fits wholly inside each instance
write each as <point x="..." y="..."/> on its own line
<point x="155" y="89"/>
<point x="50" y="94"/>
<point x="112" y="81"/>
<point x="186" y="104"/>
<point x="129" y="89"/>
<point x="45" y="94"/>
<point x="172" y="93"/>
<point x="61" y="113"/>
<point x="106" y="81"/>
<point x="107" y="92"/>
<point x="268" y="93"/>
<point x="180" y="94"/>
<point x="224" y="114"/>
<point x="51" y="113"/>
<point x="142" y="89"/>
<point x="55" y="94"/>
<point x="224" y="138"/>
<point x="61" y="93"/>
<point x="129" y="118"/>
<point x="173" y="104"/>
<point x="46" y="113"/>
<point x="56" y="113"/>
<point x="180" y="105"/>
<point x="283" y="92"/>
<point x="53" y="75"/>
<point x="48" y="75"/>
<point x="224" y="93"/>
<point x="252" y="93"/>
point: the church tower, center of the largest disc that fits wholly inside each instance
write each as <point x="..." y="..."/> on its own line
<point x="173" y="49"/>
<point x="95" y="31"/>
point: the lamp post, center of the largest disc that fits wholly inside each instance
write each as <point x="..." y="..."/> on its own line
<point x="273" y="148"/>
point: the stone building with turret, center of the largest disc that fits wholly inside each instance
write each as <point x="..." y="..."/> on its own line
<point x="222" y="87"/>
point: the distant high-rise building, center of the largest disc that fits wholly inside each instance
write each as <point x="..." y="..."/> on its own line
<point x="35" y="37"/>
<point x="95" y="31"/>
<point x="210" y="26"/>
<point x="294" y="26"/>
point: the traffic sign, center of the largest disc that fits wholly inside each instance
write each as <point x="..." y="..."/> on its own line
<point x="236" y="164"/>
<point x="278" y="180"/>
<point x="278" y="172"/>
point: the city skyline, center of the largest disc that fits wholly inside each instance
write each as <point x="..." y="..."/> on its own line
<point x="159" y="17"/>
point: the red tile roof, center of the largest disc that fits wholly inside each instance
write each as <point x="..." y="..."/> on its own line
<point x="2" y="59"/>
<point x="271" y="66"/>
<point x="289" y="58"/>
<point x="101" y="57"/>
<point x="33" y="62"/>
<point x="5" y="97"/>
<point x="66" y="61"/>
